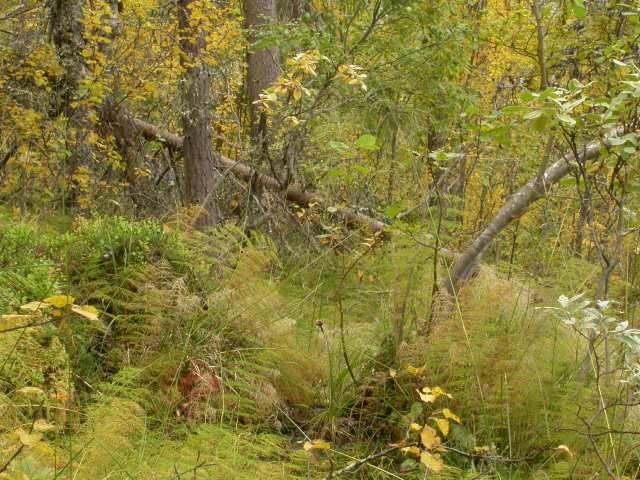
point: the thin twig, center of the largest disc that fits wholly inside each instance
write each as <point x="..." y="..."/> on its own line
<point x="363" y="461"/>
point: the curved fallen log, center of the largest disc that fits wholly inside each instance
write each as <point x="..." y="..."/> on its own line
<point x="517" y="205"/>
<point x="244" y="172"/>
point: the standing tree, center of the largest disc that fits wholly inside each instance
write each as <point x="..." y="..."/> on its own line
<point x="263" y="66"/>
<point x="66" y="32"/>
<point x="202" y="179"/>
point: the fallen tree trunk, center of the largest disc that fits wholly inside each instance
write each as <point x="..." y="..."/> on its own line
<point x="518" y="203"/>
<point x="466" y="264"/>
<point x="250" y="175"/>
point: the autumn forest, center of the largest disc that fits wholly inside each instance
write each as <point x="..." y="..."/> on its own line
<point x="319" y="239"/>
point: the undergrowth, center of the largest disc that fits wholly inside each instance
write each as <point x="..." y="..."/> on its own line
<point x="213" y="359"/>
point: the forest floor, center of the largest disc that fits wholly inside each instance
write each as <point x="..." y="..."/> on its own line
<point x="209" y="357"/>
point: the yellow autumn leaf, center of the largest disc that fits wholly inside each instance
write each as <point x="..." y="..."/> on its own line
<point x="28" y="439"/>
<point x="429" y="437"/>
<point x="426" y="395"/>
<point x="41" y="425"/>
<point x="432" y="462"/>
<point x="30" y="391"/>
<point x="15" y="320"/>
<point x="443" y="425"/>
<point x="439" y="392"/>
<point x="414" y="371"/>
<point x="450" y="415"/>
<point x="411" y="451"/>
<point x="415" y="427"/>
<point x="564" y="449"/>
<point x="86" y="311"/>
<point x="316" y="445"/>
<point x="60" y="301"/>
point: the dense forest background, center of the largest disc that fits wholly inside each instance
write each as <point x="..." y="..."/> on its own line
<point x="314" y="239"/>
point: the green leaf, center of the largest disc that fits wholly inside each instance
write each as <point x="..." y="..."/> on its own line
<point x="566" y="119"/>
<point x="579" y="10"/>
<point x="394" y="209"/>
<point x="541" y="123"/>
<point x="367" y="142"/>
<point x="339" y="147"/>
<point x="533" y="115"/>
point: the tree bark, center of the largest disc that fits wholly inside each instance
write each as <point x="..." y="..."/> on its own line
<point x="536" y="7"/>
<point x="201" y="176"/>
<point x="263" y="67"/>
<point x="129" y="144"/>
<point x="517" y="204"/>
<point x="66" y="32"/>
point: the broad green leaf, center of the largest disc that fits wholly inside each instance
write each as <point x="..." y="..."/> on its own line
<point x="566" y="119"/>
<point x="367" y="142"/>
<point x="579" y="9"/>
<point x="339" y="147"/>
<point x="541" y="123"/>
<point x="533" y="115"/>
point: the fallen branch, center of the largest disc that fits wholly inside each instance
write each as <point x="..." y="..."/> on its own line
<point x="362" y="461"/>
<point x="482" y="456"/>
<point x="292" y="193"/>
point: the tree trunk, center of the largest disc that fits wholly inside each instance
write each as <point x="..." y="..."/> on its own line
<point x="119" y="123"/>
<point x="66" y="32"/>
<point x="202" y="179"/>
<point x="263" y="67"/>
<point x="517" y="204"/>
<point x="536" y="7"/>
<point x="298" y="8"/>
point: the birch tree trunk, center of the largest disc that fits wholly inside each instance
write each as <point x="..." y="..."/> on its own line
<point x="517" y="204"/>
